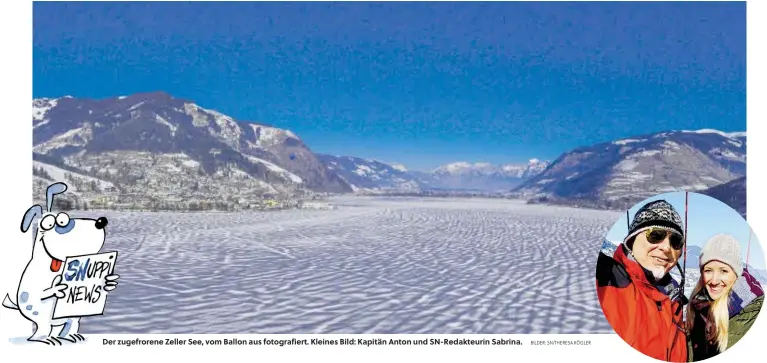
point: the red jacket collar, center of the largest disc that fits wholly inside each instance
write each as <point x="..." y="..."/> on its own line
<point x="638" y="275"/>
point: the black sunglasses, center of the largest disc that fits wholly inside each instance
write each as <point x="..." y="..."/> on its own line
<point x="658" y="235"/>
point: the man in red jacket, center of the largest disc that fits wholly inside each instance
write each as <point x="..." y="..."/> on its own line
<point x="638" y="296"/>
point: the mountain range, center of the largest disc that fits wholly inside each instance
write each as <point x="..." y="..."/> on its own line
<point x="153" y="150"/>
<point x="732" y="193"/>
<point x="620" y="173"/>
<point x="373" y="176"/>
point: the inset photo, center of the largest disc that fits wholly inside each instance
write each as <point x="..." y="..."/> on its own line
<point x="680" y="277"/>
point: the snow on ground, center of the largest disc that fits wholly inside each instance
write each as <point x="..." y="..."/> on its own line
<point x="268" y="134"/>
<point x="41" y="123"/>
<point x="277" y="169"/>
<point x="362" y="170"/>
<point x="165" y="122"/>
<point x="75" y="137"/>
<point x="709" y="131"/>
<point x="60" y="174"/>
<point x="627" y="165"/>
<point x="199" y="118"/>
<point x="136" y="106"/>
<point x="737" y="134"/>
<point x="229" y="131"/>
<point x="692" y="275"/>
<point x="290" y="134"/>
<point x="648" y="153"/>
<point x="670" y="145"/>
<point x="398" y="167"/>
<point x="725" y="134"/>
<point x="41" y="106"/>
<point x="373" y="265"/>
<point x="626" y="141"/>
<point x="727" y="154"/>
<point x="190" y="163"/>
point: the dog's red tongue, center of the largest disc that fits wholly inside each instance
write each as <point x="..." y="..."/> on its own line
<point x="56" y="265"/>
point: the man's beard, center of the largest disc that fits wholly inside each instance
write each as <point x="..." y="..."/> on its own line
<point x="657" y="272"/>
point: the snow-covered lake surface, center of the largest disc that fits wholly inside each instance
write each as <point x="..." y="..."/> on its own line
<point x="374" y="265"/>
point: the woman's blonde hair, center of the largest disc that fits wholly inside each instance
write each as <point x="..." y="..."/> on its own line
<point x="718" y="313"/>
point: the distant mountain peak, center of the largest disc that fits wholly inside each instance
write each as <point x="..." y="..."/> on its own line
<point x="398" y="167"/>
<point x="372" y="175"/>
<point x="464" y="166"/>
<point x="369" y="175"/>
<point x="454" y="167"/>
<point x="483" y="175"/>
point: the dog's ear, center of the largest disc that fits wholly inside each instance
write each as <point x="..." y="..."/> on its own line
<point x="29" y="216"/>
<point x="53" y="189"/>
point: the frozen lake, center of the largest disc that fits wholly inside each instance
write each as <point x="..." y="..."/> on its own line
<point x="374" y="265"/>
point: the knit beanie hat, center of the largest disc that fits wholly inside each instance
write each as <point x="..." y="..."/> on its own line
<point x="723" y="248"/>
<point x="658" y="213"/>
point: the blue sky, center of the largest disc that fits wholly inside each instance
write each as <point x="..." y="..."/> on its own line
<point x="706" y="217"/>
<point x="418" y="83"/>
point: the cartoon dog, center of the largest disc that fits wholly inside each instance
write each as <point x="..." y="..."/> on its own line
<point x="57" y="237"/>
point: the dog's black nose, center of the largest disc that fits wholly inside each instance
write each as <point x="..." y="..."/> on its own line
<point x="101" y="222"/>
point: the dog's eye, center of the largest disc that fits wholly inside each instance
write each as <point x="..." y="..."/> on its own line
<point x="48" y="222"/>
<point x="62" y="219"/>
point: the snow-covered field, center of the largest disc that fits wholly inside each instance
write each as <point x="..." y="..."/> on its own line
<point x="374" y="265"/>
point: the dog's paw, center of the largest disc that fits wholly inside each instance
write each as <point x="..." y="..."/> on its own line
<point x="60" y="292"/>
<point x="52" y="341"/>
<point x="57" y="288"/>
<point x="73" y="338"/>
<point x="111" y="282"/>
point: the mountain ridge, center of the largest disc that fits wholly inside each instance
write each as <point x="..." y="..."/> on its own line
<point x="617" y="174"/>
<point x="370" y="175"/>
<point x="154" y="147"/>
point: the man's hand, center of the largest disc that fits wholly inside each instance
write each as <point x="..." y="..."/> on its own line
<point x="56" y="289"/>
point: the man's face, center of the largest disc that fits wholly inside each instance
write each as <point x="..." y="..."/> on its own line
<point x="660" y="257"/>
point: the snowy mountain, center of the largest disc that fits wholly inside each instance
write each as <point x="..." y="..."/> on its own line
<point x="732" y="193"/>
<point x="609" y="247"/>
<point x="693" y="256"/>
<point x="482" y="176"/>
<point x="620" y="173"/>
<point x="759" y="274"/>
<point x="371" y="175"/>
<point x="156" y="147"/>
<point x="153" y="149"/>
<point x="693" y="262"/>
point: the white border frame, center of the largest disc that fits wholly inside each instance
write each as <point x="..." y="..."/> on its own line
<point x="16" y="23"/>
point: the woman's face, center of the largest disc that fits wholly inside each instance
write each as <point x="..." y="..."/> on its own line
<point x="718" y="277"/>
